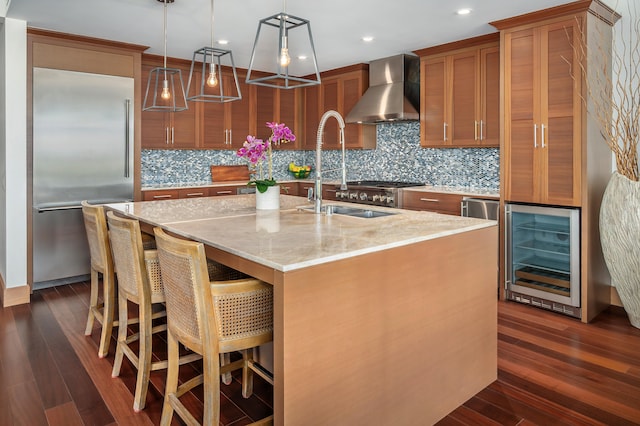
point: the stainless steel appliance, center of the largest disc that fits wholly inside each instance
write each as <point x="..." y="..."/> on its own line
<point x="373" y="192"/>
<point x="543" y="257"/>
<point x="480" y="208"/>
<point x="82" y="150"/>
<point x="393" y="93"/>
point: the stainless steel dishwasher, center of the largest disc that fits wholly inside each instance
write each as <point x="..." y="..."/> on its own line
<point x="480" y="208"/>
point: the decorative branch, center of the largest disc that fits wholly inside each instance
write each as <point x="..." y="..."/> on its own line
<point x="615" y="104"/>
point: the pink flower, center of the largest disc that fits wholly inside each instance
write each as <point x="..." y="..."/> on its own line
<point x="256" y="150"/>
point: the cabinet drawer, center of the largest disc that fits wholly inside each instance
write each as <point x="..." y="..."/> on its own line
<point x="290" y="188"/>
<point x="223" y="190"/>
<point x="193" y="192"/>
<point x="160" y="194"/>
<point x="438" y="202"/>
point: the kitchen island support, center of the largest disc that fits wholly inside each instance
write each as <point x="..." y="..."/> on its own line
<point x="396" y="337"/>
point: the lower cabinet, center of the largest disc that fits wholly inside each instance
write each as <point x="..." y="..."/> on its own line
<point x="437" y="202"/>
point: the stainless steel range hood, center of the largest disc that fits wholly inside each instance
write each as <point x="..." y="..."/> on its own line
<point x="393" y="93"/>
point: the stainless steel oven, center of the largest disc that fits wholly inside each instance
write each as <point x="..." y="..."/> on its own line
<point x="374" y="192"/>
<point x="543" y="257"/>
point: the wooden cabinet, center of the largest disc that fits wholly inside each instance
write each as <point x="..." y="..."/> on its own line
<point x="543" y="113"/>
<point x="460" y="94"/>
<point x="340" y="90"/>
<point x="289" y="188"/>
<point x="160" y="194"/>
<point x="553" y="151"/>
<point x="215" y="191"/>
<point x="226" y="125"/>
<point x="311" y="116"/>
<point x="168" y="130"/>
<point x="281" y="106"/>
<point x="438" y="202"/>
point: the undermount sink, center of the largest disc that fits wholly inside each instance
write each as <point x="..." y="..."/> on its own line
<point x="331" y="209"/>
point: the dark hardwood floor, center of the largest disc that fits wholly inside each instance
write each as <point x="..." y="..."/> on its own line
<point x="552" y="370"/>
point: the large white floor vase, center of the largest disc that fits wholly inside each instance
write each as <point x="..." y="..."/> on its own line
<point x="268" y="200"/>
<point x="620" y="238"/>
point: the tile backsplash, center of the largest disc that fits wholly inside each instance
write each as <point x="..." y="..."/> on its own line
<point x="398" y="156"/>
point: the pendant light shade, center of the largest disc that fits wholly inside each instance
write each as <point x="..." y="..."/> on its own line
<point x="281" y="41"/>
<point x="210" y="86"/>
<point x="165" y="88"/>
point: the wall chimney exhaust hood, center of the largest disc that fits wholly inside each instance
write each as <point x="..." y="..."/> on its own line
<point x="393" y="93"/>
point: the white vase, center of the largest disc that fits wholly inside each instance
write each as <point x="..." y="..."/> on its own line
<point x="268" y="200"/>
<point x="620" y="239"/>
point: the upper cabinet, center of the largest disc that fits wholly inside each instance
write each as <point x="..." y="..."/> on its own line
<point x="226" y="125"/>
<point x="542" y="140"/>
<point x="282" y="106"/>
<point x="168" y="130"/>
<point x="460" y="93"/>
<point x="340" y="90"/>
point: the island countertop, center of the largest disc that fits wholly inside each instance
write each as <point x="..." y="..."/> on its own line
<point x="292" y="238"/>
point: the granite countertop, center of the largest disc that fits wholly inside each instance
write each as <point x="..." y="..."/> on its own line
<point x="484" y="193"/>
<point x="186" y="185"/>
<point x="292" y="238"/>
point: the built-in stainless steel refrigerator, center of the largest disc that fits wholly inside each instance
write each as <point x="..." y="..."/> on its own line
<point x="82" y="150"/>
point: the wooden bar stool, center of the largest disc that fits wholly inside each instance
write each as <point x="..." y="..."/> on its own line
<point x="101" y="264"/>
<point x="139" y="281"/>
<point x="210" y="318"/>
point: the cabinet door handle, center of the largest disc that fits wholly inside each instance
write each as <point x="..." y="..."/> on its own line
<point x="226" y="136"/>
<point x="535" y="135"/>
<point x="475" y="130"/>
<point x="230" y="136"/>
<point x="155" y="197"/>
<point x="223" y="192"/>
<point x="173" y="135"/>
<point x="430" y="200"/>
<point x="166" y="136"/>
<point x="542" y="135"/>
<point x="444" y="128"/>
<point x="195" y="194"/>
<point x="481" y="130"/>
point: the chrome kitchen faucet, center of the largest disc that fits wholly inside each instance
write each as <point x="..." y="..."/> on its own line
<point x="318" y="182"/>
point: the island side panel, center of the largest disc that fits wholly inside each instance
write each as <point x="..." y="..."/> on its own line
<point x="402" y="337"/>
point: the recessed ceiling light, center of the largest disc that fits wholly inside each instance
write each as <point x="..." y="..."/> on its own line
<point x="367" y="39"/>
<point x="302" y="57"/>
<point x="463" y="11"/>
<point x="223" y="42"/>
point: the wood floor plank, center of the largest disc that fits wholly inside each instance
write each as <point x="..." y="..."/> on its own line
<point x="78" y="382"/>
<point x="64" y="415"/>
<point x="115" y="395"/>
<point x="46" y="372"/>
<point x="26" y="405"/>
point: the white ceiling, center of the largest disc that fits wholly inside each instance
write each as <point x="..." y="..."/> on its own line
<point x="398" y="26"/>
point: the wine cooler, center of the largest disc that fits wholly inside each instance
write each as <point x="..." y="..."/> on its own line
<point x="543" y="257"/>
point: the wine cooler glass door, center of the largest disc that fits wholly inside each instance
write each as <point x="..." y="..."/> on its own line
<point x="543" y="246"/>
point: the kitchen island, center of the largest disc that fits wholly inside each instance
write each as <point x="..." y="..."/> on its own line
<point x="382" y="321"/>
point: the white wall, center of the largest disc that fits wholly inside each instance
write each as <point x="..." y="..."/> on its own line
<point x="13" y="152"/>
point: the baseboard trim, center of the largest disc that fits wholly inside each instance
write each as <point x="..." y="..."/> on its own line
<point x="615" y="298"/>
<point x="14" y="295"/>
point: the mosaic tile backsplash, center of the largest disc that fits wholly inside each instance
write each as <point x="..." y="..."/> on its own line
<point x="398" y="157"/>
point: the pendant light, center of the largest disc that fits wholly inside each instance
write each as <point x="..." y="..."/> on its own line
<point x="210" y="86"/>
<point x="165" y="89"/>
<point x="272" y="52"/>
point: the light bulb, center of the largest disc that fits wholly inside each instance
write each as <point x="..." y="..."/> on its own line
<point x="284" y="58"/>
<point x="166" y="94"/>
<point x="212" y="80"/>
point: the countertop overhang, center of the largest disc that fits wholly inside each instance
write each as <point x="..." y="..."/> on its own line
<point x="292" y="238"/>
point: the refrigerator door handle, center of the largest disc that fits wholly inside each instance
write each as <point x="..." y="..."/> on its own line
<point x="127" y="107"/>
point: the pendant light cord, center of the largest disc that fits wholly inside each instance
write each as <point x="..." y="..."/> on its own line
<point x="212" y="19"/>
<point x="165" y="33"/>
